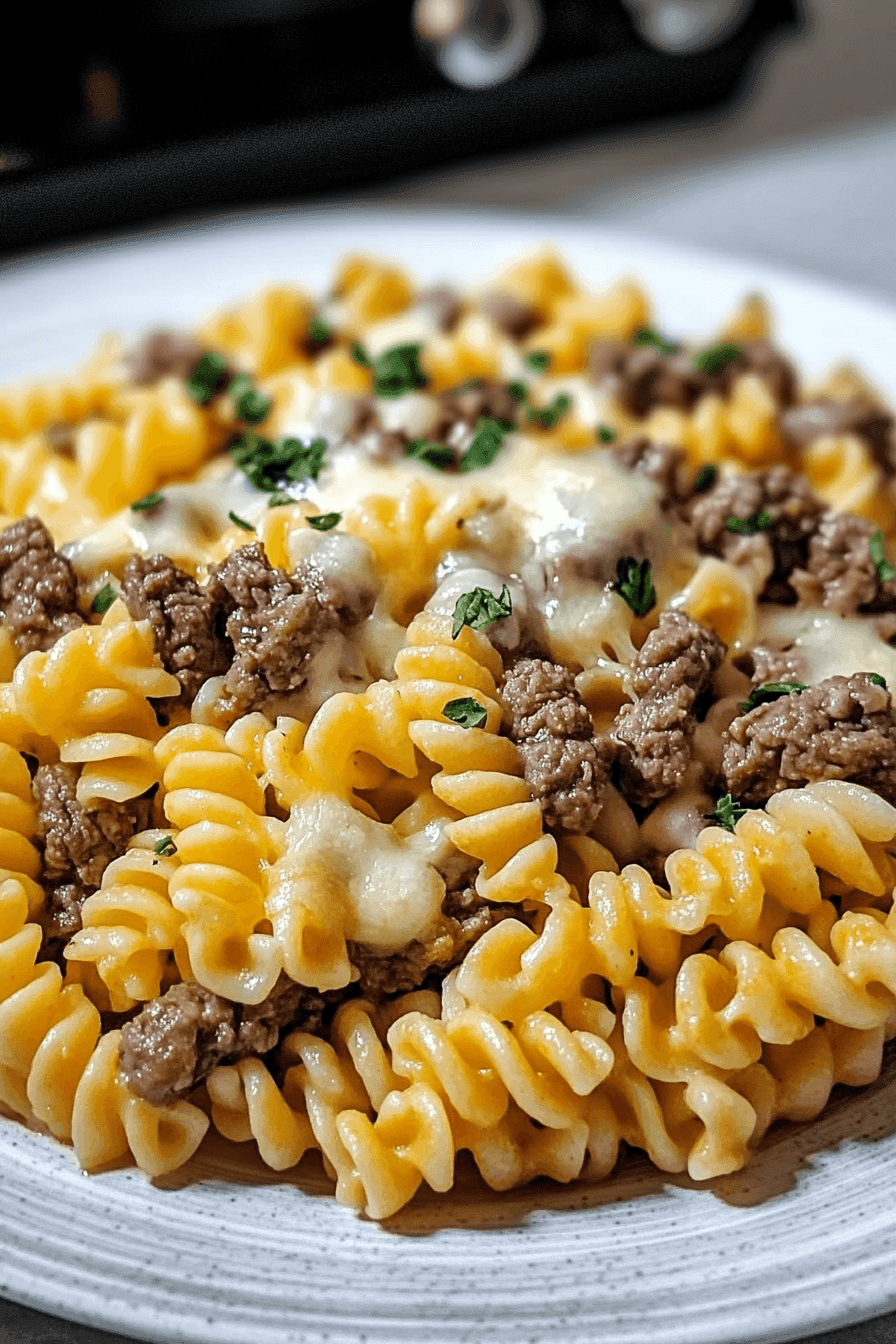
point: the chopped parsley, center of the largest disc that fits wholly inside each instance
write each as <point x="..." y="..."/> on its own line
<point x="395" y="371"/>
<point x="706" y="479"/>
<point x="251" y="405"/>
<point x="319" y="331"/>
<point x="538" y="360"/>
<point x="150" y="501"/>
<point x="877" y="680"/>
<point x="715" y="358"/>
<point x="280" y="497"/>
<point x="726" y="812"/>
<point x="467" y="712"/>
<point x="748" y="527"/>
<point x="165" y="847"/>
<point x="518" y="391"/>
<point x="634" y="583"/>
<point x="480" y="608"/>
<point x="650" y="336"/>
<point x="268" y="464"/>
<point x="606" y="434"/>
<point x="488" y="440"/>
<point x="438" y="455"/>
<point x="104" y="599"/>
<point x="548" y="416"/>
<point x="772" y="690"/>
<point x="324" y="522"/>
<point x="240" y="522"/>
<point x="885" y="570"/>
<point x="206" y="377"/>
<point x="467" y="386"/>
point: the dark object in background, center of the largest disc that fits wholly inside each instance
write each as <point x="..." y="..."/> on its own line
<point x="175" y="105"/>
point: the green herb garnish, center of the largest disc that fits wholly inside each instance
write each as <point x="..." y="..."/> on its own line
<point x="772" y="690"/>
<point x="468" y="386"/>
<point x="748" y="527"/>
<point x="605" y="434"/>
<point x="876" y="679"/>
<point x="634" y="583"/>
<point x="165" y="847"/>
<point x="104" y="599"/>
<point x="438" y="455"/>
<point x="319" y="331"/>
<point x="279" y="498"/>
<point x="240" y="522"/>
<point x="360" y="355"/>
<point x="480" y="608"/>
<point x="251" y="405"/>
<point x="488" y="440"/>
<point x="726" y="812"/>
<point x="324" y="522"/>
<point x="548" y="416"/>
<point x="398" y="371"/>
<point x="650" y="336"/>
<point x="518" y="391"/>
<point x="467" y="712"/>
<point x="706" y="479"/>
<point x="205" y="379"/>
<point x="151" y="501"/>
<point x="715" y="358"/>
<point x="877" y="546"/>
<point x="538" y="360"/>
<point x="267" y="464"/>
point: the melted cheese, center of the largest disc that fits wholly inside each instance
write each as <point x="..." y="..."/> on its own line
<point x="829" y="645"/>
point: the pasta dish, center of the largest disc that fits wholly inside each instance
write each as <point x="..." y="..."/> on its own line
<point x="439" y="721"/>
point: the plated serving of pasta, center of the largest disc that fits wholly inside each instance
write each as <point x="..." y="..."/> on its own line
<point x="440" y="720"/>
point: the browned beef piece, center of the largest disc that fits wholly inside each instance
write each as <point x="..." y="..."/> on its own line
<point x="187" y="624"/>
<point x="77" y="845"/>
<point x="381" y="445"/>
<point x="511" y="315"/>
<point x="466" y="405"/>
<point x="843" y="728"/>
<point x="823" y="418"/>
<point x="176" y="1041"/>
<point x="60" y="438"/>
<point x="659" y="463"/>
<point x="764" y="664"/>
<point x="466" y="917"/>
<point x="673" y="668"/>
<point x="38" y="588"/>
<point x="839" y="572"/>
<point x="641" y="377"/>
<point x="162" y="354"/>
<point x="566" y="765"/>
<point x="277" y="621"/>
<point x="444" y="304"/>
<point x="793" y="512"/>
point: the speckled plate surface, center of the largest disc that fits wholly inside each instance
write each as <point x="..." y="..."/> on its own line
<point x="229" y="1252"/>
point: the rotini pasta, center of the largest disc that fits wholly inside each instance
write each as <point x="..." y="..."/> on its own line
<point x="444" y="722"/>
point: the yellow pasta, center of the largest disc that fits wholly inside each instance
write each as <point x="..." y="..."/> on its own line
<point x="550" y="805"/>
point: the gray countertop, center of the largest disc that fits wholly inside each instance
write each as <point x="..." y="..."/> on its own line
<point x="801" y="174"/>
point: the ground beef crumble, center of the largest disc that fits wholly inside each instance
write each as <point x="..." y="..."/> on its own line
<point x="843" y="728"/>
<point x="794" y="513"/>
<point x="860" y="416"/>
<point x="38" y="588"/>
<point x="163" y="354"/>
<point x="672" y="670"/>
<point x="277" y="621"/>
<point x="176" y="1041"/>
<point x="187" y="623"/>
<point x="641" y="377"/>
<point x="839" y="573"/>
<point x="77" y="845"/>
<point x="566" y="765"/>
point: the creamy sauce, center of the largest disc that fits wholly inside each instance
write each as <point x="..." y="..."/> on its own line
<point x="829" y="645"/>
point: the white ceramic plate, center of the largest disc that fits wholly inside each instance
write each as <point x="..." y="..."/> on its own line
<point x="226" y="1251"/>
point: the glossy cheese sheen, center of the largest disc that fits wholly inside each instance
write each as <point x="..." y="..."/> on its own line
<point x="829" y="645"/>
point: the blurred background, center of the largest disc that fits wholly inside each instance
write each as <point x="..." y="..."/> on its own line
<point x="746" y="124"/>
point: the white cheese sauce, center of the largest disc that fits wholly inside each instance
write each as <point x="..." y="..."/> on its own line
<point x="829" y="645"/>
